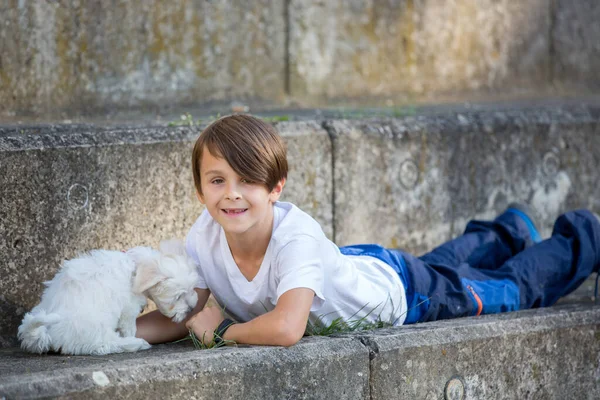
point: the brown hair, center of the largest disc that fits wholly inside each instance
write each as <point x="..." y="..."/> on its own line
<point x="252" y="147"/>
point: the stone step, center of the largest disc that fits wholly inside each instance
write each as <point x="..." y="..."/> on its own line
<point x="410" y="182"/>
<point x="551" y="353"/>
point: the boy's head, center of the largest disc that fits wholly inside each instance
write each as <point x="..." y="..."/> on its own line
<point x="252" y="148"/>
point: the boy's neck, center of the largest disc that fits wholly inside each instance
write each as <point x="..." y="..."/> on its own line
<point x="248" y="250"/>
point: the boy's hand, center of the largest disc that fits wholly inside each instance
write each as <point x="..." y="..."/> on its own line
<point x="156" y="328"/>
<point x="204" y="324"/>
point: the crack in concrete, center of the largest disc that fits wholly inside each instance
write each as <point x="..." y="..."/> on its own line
<point x="371" y="345"/>
<point x="286" y="63"/>
<point x="326" y="125"/>
<point x="551" y="44"/>
<point x="373" y="352"/>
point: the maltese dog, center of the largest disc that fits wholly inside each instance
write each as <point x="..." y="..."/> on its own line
<point x="91" y="305"/>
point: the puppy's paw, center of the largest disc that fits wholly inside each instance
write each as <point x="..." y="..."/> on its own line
<point x="122" y="345"/>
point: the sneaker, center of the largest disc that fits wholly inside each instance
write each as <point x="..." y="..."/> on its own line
<point x="527" y="214"/>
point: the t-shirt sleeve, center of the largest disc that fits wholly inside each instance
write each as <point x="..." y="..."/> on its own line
<point x="300" y="265"/>
<point x="190" y="249"/>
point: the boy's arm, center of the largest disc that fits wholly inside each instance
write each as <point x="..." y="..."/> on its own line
<point x="284" y="326"/>
<point x="154" y="327"/>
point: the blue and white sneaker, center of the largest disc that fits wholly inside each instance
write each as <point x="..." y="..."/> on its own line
<point x="527" y="214"/>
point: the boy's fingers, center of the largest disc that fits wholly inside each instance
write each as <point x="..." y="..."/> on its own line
<point x="200" y="323"/>
<point x="190" y="323"/>
<point x="209" y="337"/>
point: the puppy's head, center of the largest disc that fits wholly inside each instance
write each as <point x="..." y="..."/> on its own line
<point x="168" y="278"/>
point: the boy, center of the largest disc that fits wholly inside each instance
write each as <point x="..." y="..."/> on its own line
<point x="274" y="270"/>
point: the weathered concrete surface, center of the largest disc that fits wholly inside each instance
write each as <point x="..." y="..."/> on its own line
<point x="71" y="57"/>
<point x="312" y="369"/>
<point x="585" y="293"/>
<point x="576" y="43"/>
<point x="341" y="49"/>
<point x="551" y="353"/>
<point x="415" y="182"/>
<point x="65" y="192"/>
<point x="67" y="58"/>
<point x="310" y="181"/>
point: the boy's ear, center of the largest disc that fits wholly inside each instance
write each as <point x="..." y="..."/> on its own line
<point x="200" y="198"/>
<point x="276" y="192"/>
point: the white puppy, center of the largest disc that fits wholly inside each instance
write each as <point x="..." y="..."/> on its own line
<point x="91" y="305"/>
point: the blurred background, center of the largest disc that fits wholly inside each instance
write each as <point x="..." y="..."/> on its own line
<point x="71" y="59"/>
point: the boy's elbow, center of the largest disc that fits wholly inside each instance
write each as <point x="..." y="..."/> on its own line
<point x="289" y="339"/>
<point x="288" y="335"/>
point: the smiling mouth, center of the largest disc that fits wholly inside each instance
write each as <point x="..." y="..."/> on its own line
<point x="234" y="211"/>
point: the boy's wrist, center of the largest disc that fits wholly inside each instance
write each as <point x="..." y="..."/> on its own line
<point x="221" y="329"/>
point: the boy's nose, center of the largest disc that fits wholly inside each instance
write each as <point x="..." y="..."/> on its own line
<point x="232" y="193"/>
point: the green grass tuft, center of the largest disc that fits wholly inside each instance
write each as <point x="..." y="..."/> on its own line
<point x="201" y="345"/>
<point x="339" y="325"/>
<point x="276" y="118"/>
<point x="185" y="120"/>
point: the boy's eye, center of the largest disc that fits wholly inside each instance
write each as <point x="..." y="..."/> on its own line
<point x="248" y="181"/>
<point x="217" y="181"/>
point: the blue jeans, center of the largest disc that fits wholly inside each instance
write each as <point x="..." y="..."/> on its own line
<point x="495" y="266"/>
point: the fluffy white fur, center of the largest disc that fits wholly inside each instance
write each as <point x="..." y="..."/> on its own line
<point x="91" y="305"/>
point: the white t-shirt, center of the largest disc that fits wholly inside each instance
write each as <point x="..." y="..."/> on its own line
<point x="299" y="255"/>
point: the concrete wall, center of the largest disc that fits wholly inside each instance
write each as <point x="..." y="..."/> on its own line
<point x="575" y="44"/>
<point x="416" y="182"/>
<point x="357" y="48"/>
<point x="70" y="56"/>
<point x="411" y="183"/>
<point x="64" y="58"/>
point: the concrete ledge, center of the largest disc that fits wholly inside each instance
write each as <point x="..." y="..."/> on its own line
<point x="312" y="369"/>
<point x="544" y="353"/>
<point x="551" y="353"/>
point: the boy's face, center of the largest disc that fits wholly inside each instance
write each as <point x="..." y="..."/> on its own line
<point x="239" y="206"/>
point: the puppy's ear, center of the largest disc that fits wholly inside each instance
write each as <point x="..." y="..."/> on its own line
<point x="172" y="246"/>
<point x="147" y="275"/>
